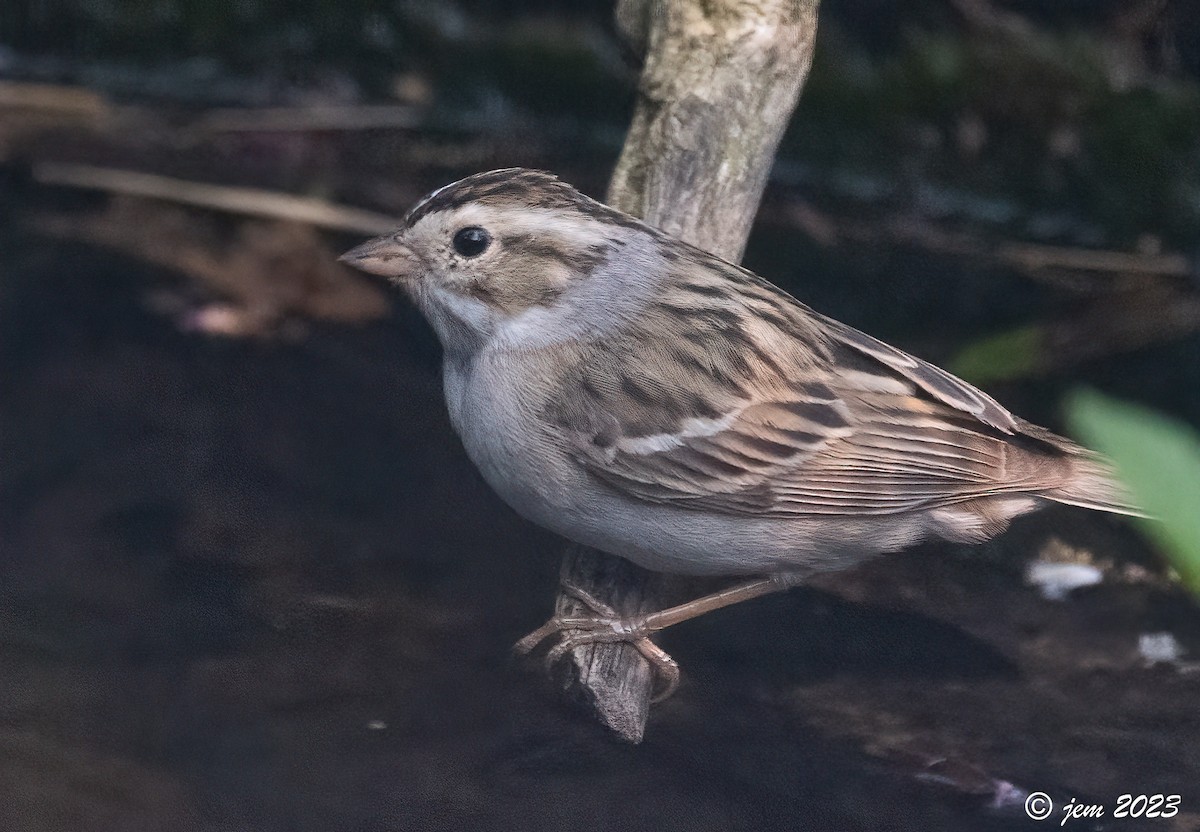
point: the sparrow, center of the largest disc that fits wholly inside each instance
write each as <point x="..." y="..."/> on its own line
<point x="638" y="395"/>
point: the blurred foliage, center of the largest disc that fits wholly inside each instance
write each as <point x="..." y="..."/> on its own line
<point x="1159" y="459"/>
<point x="1039" y="124"/>
<point x="1008" y="355"/>
<point x="285" y="34"/>
<point x="562" y="76"/>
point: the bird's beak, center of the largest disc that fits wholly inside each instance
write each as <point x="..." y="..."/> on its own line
<point x="384" y="256"/>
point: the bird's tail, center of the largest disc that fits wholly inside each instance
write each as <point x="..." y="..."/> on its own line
<point x="1093" y="484"/>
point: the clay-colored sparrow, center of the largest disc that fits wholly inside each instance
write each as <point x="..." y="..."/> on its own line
<point x="638" y="395"/>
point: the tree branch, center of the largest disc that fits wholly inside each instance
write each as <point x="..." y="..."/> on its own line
<point x="718" y="88"/>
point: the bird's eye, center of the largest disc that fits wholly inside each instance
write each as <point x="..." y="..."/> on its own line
<point x="471" y="241"/>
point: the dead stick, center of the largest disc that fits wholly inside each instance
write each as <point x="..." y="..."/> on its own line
<point x="58" y="98"/>
<point x="249" y="201"/>
<point x="1032" y="257"/>
<point x="306" y="119"/>
<point x="719" y="85"/>
<point x="1029" y="257"/>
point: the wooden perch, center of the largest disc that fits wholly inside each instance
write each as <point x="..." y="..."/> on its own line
<point x="718" y="88"/>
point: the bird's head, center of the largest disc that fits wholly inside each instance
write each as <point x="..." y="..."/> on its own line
<point x="502" y="247"/>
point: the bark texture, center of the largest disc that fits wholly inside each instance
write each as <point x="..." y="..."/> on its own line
<point x="720" y="81"/>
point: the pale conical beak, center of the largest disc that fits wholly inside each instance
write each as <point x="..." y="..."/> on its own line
<point x="386" y="257"/>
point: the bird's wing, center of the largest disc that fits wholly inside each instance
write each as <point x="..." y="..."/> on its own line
<point x="835" y="423"/>
<point x="936" y="382"/>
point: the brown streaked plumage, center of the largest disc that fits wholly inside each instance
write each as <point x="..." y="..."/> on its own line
<point x="531" y="188"/>
<point x="872" y="430"/>
<point x="643" y="397"/>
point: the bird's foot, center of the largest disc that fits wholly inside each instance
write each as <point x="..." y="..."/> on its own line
<point x="603" y="626"/>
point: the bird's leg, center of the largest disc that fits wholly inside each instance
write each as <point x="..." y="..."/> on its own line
<point x="605" y="626"/>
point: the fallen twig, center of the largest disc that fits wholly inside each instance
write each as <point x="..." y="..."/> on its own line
<point x="317" y="118"/>
<point x="249" y="201"/>
<point x="57" y="98"/>
<point x="1032" y="257"/>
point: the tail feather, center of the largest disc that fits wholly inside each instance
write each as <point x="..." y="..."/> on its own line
<point x="1094" y="484"/>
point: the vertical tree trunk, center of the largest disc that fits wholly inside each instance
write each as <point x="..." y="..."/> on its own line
<point x="719" y="85"/>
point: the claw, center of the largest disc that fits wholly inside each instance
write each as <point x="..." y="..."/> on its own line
<point x="530" y="642"/>
<point x="666" y="667"/>
<point x="588" y="600"/>
<point x="604" y="626"/>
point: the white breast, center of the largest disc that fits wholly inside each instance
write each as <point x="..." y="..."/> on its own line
<point x="498" y="421"/>
<point x="455" y="375"/>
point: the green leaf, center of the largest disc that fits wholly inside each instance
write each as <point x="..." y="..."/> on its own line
<point x="1158" y="458"/>
<point x="1009" y="355"/>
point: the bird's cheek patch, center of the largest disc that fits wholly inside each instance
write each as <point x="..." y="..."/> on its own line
<point x="538" y="286"/>
<point x="478" y="288"/>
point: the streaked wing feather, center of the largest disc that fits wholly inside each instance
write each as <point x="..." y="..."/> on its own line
<point x="935" y="381"/>
<point x="867" y="467"/>
<point x="813" y="417"/>
<point x="760" y="443"/>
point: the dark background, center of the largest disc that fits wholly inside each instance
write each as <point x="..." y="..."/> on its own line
<point x="248" y="579"/>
